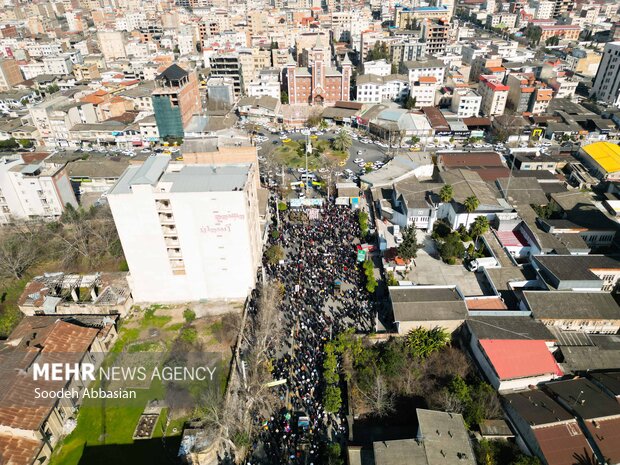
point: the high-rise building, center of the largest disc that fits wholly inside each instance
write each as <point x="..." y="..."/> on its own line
<point x="35" y="190"/>
<point x="198" y="235"/>
<point x="9" y="74"/>
<point x="563" y="8"/>
<point x="176" y="99"/>
<point x="494" y="96"/>
<point x="435" y="35"/>
<point x="606" y="87"/>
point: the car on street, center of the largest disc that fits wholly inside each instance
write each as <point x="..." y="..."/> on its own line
<point x="357" y="161"/>
<point x="283" y="136"/>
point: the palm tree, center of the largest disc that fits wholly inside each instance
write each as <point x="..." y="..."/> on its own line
<point x="343" y="141"/>
<point x="446" y="193"/>
<point x="471" y="204"/>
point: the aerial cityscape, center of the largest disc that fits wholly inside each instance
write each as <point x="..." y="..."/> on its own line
<point x="310" y="232"/>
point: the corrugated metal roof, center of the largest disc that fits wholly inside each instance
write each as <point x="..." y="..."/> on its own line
<point x="606" y="154"/>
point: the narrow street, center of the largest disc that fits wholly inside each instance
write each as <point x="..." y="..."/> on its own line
<point x="318" y="253"/>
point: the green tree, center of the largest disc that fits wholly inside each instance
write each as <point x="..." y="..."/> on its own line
<point x="332" y="399"/>
<point x="479" y="226"/>
<point x="391" y="279"/>
<point x="415" y="140"/>
<point x="284" y="97"/>
<point x="446" y="194"/>
<point x="408" y="249"/>
<point x="533" y="34"/>
<point x="422" y="342"/>
<point x="342" y="141"/>
<point x="392" y="358"/>
<point x="323" y="125"/>
<point x="282" y="206"/>
<point x="189" y="315"/>
<point x="25" y="143"/>
<point x="410" y="102"/>
<point x="552" y="41"/>
<point x="379" y="52"/>
<point x="9" y="144"/>
<point x="471" y="204"/>
<point x="394" y="69"/>
<point x="369" y="271"/>
<point x="274" y="254"/>
<point x="362" y="218"/>
<point x="451" y="247"/>
<point x="334" y="454"/>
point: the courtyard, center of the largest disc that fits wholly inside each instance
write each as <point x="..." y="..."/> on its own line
<point x="153" y="337"/>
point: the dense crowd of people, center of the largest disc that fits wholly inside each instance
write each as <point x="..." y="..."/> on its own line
<point x="323" y="295"/>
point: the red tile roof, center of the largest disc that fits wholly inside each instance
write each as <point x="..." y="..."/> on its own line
<point x="512" y="239"/>
<point x="485" y="303"/>
<point x="520" y="358"/>
<point x="48" y="343"/>
<point x="15" y="450"/>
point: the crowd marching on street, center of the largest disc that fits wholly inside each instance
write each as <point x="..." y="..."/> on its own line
<point x="324" y="294"/>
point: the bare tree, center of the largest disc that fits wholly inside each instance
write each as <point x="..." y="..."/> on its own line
<point x="21" y="246"/>
<point x="379" y="398"/>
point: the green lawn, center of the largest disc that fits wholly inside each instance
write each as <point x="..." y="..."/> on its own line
<point x="104" y="431"/>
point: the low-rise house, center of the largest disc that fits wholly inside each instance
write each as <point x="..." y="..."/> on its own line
<point x="591" y="312"/>
<point x="549" y="431"/>
<point x="259" y="109"/>
<point x="427" y="307"/>
<point x="441" y="439"/>
<point x="580" y="215"/>
<point x="597" y="412"/>
<point x="445" y="438"/>
<point x="513" y="362"/>
<point x="531" y="159"/>
<point x="73" y="294"/>
<point x="31" y="426"/>
<point x="603" y="158"/>
<point x="578" y="272"/>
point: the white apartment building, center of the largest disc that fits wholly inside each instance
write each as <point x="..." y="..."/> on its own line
<point x="606" y="87"/>
<point x="424" y="67"/>
<point x="268" y="84"/>
<point x="494" y="95"/>
<point x="59" y="65"/>
<point x="466" y="104"/>
<point x="37" y="190"/>
<point x="544" y="10"/>
<point x="375" y="89"/>
<point x="423" y="91"/>
<point x="54" y="117"/>
<point x="189" y="232"/>
<point x="378" y="67"/>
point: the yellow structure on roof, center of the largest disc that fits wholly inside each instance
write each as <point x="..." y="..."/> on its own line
<point x="605" y="154"/>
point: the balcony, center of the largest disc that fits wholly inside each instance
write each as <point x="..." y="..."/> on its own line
<point x="163" y="205"/>
<point x="175" y="254"/>
<point x="169" y="231"/>
<point x="166" y="218"/>
<point x="172" y="242"/>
